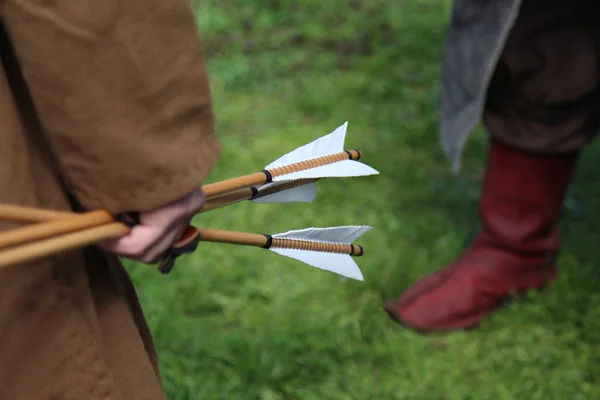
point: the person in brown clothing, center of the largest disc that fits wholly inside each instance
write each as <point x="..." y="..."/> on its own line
<point x="531" y="70"/>
<point x="105" y="104"/>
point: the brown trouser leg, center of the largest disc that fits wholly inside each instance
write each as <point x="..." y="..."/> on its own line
<point x="545" y="94"/>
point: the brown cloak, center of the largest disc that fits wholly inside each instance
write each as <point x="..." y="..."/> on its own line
<point x="108" y="102"/>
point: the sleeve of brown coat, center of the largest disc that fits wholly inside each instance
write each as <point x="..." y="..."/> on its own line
<point x="122" y="93"/>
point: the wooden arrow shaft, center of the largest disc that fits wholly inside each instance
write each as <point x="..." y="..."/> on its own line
<point x="218" y="194"/>
<point x="44" y="248"/>
<point x="54" y="245"/>
<point x="54" y="227"/>
<point x="269" y="242"/>
<point x="227" y="199"/>
<point x="260" y="178"/>
<point x="23" y="214"/>
<point x="252" y="193"/>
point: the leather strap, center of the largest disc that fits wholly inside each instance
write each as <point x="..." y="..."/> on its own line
<point x="188" y="243"/>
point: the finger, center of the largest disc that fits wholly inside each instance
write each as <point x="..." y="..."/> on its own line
<point x="157" y="251"/>
<point x="136" y="243"/>
<point x="147" y="244"/>
<point x="157" y="229"/>
<point x="186" y="207"/>
<point x="151" y="228"/>
<point x="175" y="225"/>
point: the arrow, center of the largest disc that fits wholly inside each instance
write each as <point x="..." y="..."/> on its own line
<point x="299" y="190"/>
<point x="321" y="158"/>
<point x="324" y="157"/>
<point x="278" y="182"/>
<point x="58" y="244"/>
<point x="329" y="249"/>
<point x="13" y="213"/>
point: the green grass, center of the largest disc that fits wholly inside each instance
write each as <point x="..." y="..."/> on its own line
<point x="243" y="323"/>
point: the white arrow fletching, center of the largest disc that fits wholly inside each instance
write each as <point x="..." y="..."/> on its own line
<point x="305" y="193"/>
<point x="335" y="234"/>
<point x="345" y="168"/>
<point x="323" y="146"/>
<point x="341" y="264"/>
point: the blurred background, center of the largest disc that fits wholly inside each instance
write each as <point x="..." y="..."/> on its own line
<point x="234" y="322"/>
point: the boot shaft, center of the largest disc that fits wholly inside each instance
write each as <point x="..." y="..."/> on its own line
<point x="522" y="198"/>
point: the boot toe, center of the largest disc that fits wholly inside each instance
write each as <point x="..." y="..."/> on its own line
<point x="437" y="312"/>
<point x="424" y="285"/>
<point x="445" y="301"/>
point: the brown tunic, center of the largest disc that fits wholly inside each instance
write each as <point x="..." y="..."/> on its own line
<point x="108" y="102"/>
<point x="527" y="69"/>
<point x="544" y="96"/>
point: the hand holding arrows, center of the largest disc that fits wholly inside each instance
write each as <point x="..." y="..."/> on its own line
<point x="291" y="178"/>
<point x="157" y="230"/>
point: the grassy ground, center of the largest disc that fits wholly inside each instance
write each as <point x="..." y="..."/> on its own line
<point x="243" y="323"/>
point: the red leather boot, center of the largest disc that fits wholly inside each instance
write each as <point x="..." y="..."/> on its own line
<point x="520" y="206"/>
